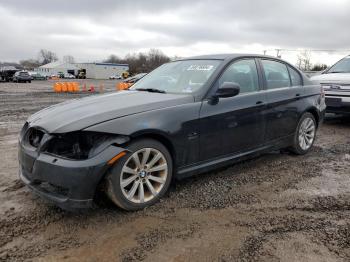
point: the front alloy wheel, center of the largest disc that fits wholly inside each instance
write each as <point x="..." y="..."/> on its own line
<point x="144" y="175"/>
<point x="141" y="177"/>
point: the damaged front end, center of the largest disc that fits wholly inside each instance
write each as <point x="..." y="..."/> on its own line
<point x="81" y="145"/>
<point x="66" y="168"/>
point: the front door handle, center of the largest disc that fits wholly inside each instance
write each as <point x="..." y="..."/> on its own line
<point x="259" y="103"/>
<point x="297" y="95"/>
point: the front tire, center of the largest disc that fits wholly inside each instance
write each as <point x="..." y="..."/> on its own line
<point x="141" y="177"/>
<point x="305" y="134"/>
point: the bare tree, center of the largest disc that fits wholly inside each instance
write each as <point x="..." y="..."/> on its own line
<point x="304" y="60"/>
<point x="156" y="58"/>
<point x="319" y="67"/>
<point x="141" y="62"/>
<point x="46" y="56"/>
<point x="113" y="59"/>
<point x="29" y="64"/>
<point x="69" y="59"/>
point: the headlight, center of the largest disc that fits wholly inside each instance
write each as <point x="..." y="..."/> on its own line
<point x="82" y="145"/>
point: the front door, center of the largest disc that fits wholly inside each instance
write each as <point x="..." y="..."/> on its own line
<point x="234" y="124"/>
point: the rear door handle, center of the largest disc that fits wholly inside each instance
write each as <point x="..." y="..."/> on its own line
<point x="259" y="103"/>
<point x="297" y="95"/>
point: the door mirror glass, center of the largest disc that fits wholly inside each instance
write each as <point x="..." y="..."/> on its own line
<point x="228" y="89"/>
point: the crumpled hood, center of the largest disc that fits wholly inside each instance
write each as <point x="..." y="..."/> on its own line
<point x="78" y="114"/>
<point x="336" y="78"/>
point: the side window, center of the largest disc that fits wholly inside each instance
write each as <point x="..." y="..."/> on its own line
<point x="244" y="73"/>
<point x="295" y="77"/>
<point x="276" y="74"/>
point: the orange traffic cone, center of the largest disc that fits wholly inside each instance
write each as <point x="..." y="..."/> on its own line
<point x="64" y="87"/>
<point x="56" y="87"/>
<point x="70" y="87"/>
<point x="76" y="87"/>
<point x="59" y="87"/>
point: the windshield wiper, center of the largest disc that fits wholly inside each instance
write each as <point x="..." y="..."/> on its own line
<point x="152" y="90"/>
<point x="336" y="72"/>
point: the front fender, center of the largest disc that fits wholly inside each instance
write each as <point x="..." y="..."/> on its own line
<point x="174" y="123"/>
<point x="168" y="121"/>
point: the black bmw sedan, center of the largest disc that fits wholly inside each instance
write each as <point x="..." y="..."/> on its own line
<point x="186" y="117"/>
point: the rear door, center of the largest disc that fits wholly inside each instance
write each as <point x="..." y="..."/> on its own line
<point x="284" y="90"/>
<point x="234" y="124"/>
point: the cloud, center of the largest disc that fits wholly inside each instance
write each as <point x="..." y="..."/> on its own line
<point x="91" y="30"/>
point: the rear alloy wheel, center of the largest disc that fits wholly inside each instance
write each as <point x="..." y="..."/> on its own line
<point x="141" y="177"/>
<point x="305" y="134"/>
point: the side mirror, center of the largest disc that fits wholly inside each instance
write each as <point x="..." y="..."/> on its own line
<point x="228" y="89"/>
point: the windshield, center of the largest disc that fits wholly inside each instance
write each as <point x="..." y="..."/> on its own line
<point x="185" y="76"/>
<point x="343" y="66"/>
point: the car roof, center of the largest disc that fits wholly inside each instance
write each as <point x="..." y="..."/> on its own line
<point x="226" y="56"/>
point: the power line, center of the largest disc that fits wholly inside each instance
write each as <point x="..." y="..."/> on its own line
<point x="278" y="50"/>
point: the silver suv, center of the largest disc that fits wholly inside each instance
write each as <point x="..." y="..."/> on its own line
<point x="336" y="84"/>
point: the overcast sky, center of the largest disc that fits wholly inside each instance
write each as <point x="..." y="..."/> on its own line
<point x="91" y="30"/>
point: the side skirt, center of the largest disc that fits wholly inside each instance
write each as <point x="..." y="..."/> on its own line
<point x="212" y="164"/>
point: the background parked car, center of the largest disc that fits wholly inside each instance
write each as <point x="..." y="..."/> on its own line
<point x="22" y="76"/>
<point x="112" y="77"/>
<point x="37" y="76"/>
<point x="68" y="76"/>
<point x="336" y="84"/>
<point x="54" y="77"/>
<point x="60" y="74"/>
<point x="7" y="72"/>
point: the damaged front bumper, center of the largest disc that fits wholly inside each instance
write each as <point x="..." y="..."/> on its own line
<point x="68" y="183"/>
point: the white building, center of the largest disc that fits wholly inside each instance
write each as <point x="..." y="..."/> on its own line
<point x="92" y="70"/>
<point x="56" y="67"/>
<point x="102" y="70"/>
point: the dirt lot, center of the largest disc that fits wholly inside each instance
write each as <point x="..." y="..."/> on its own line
<point x="278" y="207"/>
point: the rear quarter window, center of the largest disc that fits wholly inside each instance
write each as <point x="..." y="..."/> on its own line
<point x="295" y="77"/>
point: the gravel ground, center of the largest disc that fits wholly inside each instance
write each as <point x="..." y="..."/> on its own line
<point x="278" y="207"/>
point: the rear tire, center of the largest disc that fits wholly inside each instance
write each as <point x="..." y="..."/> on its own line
<point x="305" y="134"/>
<point x="141" y="177"/>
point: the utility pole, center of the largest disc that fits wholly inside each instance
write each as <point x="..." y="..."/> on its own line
<point x="278" y="50"/>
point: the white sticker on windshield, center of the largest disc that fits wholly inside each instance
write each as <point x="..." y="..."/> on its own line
<point x="200" y="68"/>
<point x="187" y="90"/>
